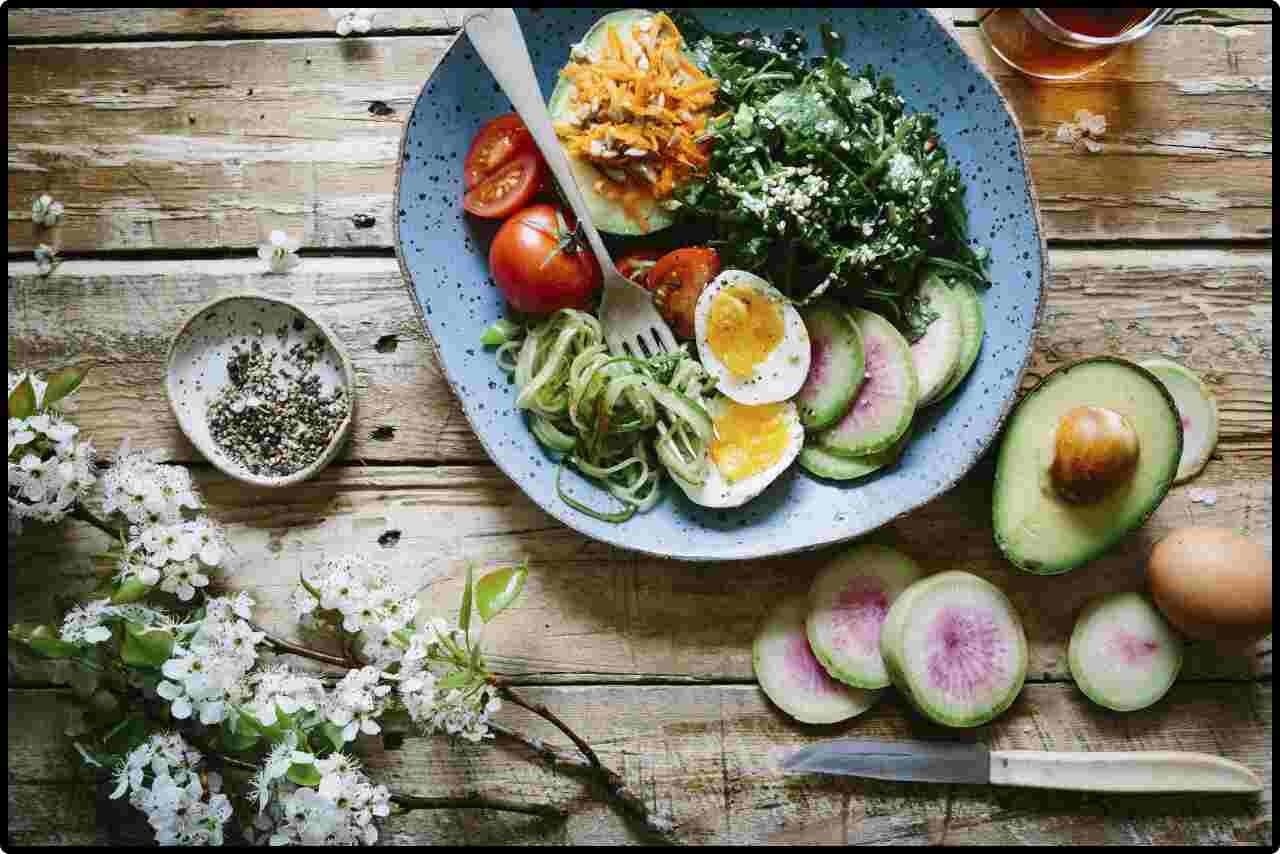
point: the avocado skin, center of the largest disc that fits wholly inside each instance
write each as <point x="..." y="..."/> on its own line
<point x="1108" y="537"/>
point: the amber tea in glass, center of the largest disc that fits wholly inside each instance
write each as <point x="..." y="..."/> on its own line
<point x="1058" y="44"/>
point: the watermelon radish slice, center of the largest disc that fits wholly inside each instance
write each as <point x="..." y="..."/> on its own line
<point x="848" y="602"/>
<point x="972" y="327"/>
<point x="936" y="354"/>
<point x="955" y="648"/>
<point x="822" y="463"/>
<point x="1198" y="411"/>
<point x="790" y="675"/>
<point x="883" y="407"/>
<point x="835" y="365"/>
<point x="1123" y="654"/>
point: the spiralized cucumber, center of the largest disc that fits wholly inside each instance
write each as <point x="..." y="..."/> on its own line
<point x="610" y="415"/>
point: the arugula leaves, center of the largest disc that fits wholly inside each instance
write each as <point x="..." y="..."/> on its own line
<point x="819" y="179"/>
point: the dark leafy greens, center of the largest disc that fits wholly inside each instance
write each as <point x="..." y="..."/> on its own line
<point x="820" y="180"/>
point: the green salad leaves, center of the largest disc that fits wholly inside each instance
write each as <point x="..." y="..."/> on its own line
<point x="820" y="180"/>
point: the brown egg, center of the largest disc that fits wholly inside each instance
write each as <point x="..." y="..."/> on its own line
<point x="1212" y="584"/>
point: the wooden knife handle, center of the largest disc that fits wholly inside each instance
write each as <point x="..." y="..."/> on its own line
<point x="1129" y="771"/>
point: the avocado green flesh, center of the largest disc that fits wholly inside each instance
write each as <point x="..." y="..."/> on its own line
<point x="1035" y="527"/>
<point x="641" y="216"/>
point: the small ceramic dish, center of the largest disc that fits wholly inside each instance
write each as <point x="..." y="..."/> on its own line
<point x="197" y="368"/>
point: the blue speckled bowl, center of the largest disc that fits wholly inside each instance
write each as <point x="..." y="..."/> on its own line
<point x="443" y="254"/>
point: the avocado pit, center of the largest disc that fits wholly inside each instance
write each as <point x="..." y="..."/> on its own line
<point x="1095" y="450"/>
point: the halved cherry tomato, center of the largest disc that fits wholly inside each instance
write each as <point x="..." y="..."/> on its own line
<point x="536" y="264"/>
<point x="497" y="142"/>
<point x="637" y="265"/>
<point x="677" y="281"/>
<point x="507" y="190"/>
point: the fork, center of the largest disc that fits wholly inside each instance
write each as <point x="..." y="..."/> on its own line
<point x="632" y="326"/>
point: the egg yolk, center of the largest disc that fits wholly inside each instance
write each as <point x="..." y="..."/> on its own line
<point x="748" y="439"/>
<point x="744" y="327"/>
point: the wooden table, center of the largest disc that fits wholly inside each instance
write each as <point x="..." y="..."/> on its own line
<point x="178" y="138"/>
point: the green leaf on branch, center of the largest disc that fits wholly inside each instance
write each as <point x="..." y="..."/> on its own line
<point x="63" y="383"/>
<point x="456" y="679"/>
<point x="144" y="646"/>
<point x="333" y="733"/>
<point x="237" y="741"/>
<point x="44" y="641"/>
<point x="475" y="658"/>
<point x="464" y="613"/>
<point x="130" y="590"/>
<point x="22" y="400"/>
<point x="304" y="775"/>
<point x="307" y="587"/>
<point x="497" y="590"/>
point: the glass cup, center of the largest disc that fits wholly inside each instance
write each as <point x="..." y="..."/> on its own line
<point x="1058" y="45"/>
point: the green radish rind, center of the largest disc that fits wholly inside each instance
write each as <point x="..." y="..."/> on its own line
<point x="867" y="569"/>
<point x="905" y="623"/>
<point x="836" y="372"/>
<point x="822" y="463"/>
<point x="1188" y="390"/>
<point x="607" y="214"/>
<point x="807" y="692"/>
<point x="972" y="326"/>
<point x="936" y="354"/>
<point x="1111" y="683"/>
<point x="1042" y="534"/>
<point x="889" y="369"/>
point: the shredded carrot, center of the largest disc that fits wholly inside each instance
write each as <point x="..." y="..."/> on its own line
<point x="651" y="101"/>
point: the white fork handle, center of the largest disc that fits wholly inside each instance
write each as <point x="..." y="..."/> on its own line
<point x="496" y="36"/>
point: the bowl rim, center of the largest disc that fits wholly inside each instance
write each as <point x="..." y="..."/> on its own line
<point x="340" y="435"/>
<point x="764" y="550"/>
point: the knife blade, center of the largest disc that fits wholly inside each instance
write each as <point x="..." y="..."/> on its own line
<point x="960" y="762"/>
<point x="916" y="761"/>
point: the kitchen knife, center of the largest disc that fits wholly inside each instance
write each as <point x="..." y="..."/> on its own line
<point x="959" y="762"/>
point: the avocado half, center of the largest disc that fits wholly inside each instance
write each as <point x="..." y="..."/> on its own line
<point x="1038" y="530"/>
<point x="643" y="216"/>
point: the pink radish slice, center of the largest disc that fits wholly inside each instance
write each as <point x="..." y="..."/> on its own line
<point x="848" y="602"/>
<point x="886" y="402"/>
<point x="793" y="678"/>
<point x="1123" y="654"/>
<point x="936" y="354"/>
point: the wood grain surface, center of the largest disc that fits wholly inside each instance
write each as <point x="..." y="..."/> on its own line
<point x="179" y="138"/>
<point x="707" y="756"/>
<point x="211" y="145"/>
<point x="1209" y="308"/>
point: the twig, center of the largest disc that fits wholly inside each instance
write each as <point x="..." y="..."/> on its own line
<point x="84" y="515"/>
<point x="408" y="803"/>
<point x="280" y="645"/>
<point x="546" y="714"/>
<point x="616" y="789"/>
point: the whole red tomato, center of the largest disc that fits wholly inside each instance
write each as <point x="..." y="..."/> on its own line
<point x="538" y="266"/>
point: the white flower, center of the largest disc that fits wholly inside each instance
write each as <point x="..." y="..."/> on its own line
<point x="50" y="467"/>
<point x="339" y="811"/>
<point x="175" y="801"/>
<point x="368" y="600"/>
<point x="47" y="259"/>
<point x="357" y="701"/>
<point x="143" y="491"/>
<point x="279" y="253"/>
<point x="211" y="661"/>
<point x="278" y="688"/>
<point x="45" y="211"/>
<point x="179" y="552"/>
<point x="84" y="623"/>
<point x="353" y="20"/>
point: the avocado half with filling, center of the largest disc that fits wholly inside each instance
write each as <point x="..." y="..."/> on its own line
<point x="640" y="215"/>
<point x="1042" y="523"/>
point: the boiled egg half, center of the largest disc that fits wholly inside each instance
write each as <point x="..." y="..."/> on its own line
<point x="751" y="339"/>
<point x="752" y="445"/>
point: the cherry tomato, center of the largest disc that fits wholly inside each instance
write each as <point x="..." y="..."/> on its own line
<point x="508" y="189"/>
<point x="677" y="281"/>
<point x="496" y="143"/>
<point x="536" y="265"/>
<point x="637" y="265"/>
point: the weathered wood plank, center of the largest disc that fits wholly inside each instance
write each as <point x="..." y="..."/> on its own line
<point x="707" y="755"/>
<point x="213" y="144"/>
<point x="49" y="24"/>
<point x="1208" y="308"/>
<point x="592" y="612"/>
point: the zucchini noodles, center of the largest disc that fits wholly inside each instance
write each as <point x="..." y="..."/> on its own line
<point x="609" y="416"/>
